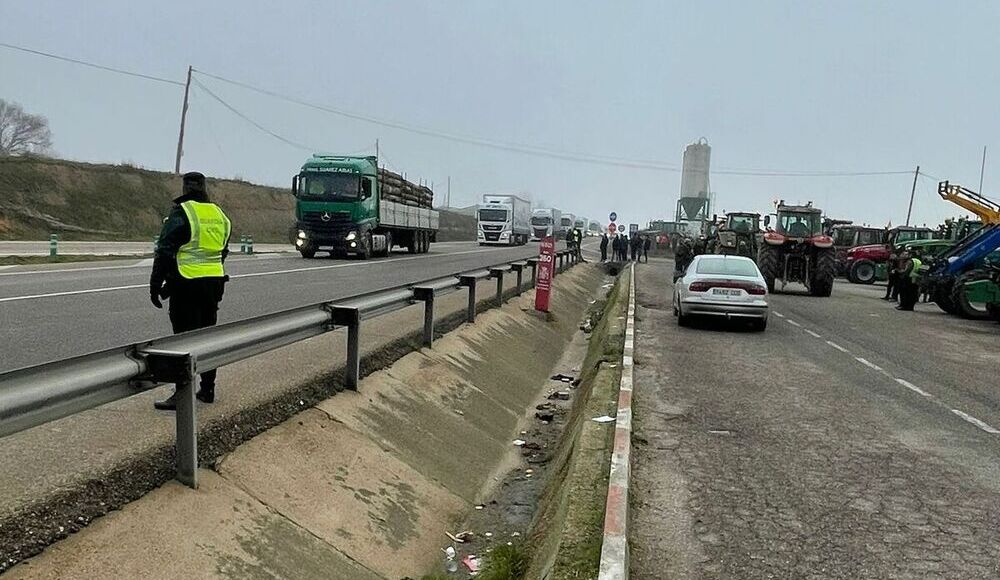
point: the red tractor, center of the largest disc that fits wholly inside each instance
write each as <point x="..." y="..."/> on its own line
<point x="797" y="250"/>
<point x="867" y="263"/>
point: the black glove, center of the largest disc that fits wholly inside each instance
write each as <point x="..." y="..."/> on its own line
<point x="155" y="291"/>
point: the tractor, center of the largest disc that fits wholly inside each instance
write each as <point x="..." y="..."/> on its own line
<point x="961" y="279"/>
<point x="738" y="234"/>
<point x="797" y="250"/>
<point x="867" y="263"/>
<point x="847" y="236"/>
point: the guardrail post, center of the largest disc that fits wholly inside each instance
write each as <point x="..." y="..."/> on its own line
<point x="250" y="244"/>
<point x="53" y="245"/>
<point x="243" y="244"/>
<point x="533" y="264"/>
<point x="351" y="318"/>
<point x="427" y="295"/>
<point x="519" y="270"/>
<point x="498" y="274"/>
<point x="181" y="369"/>
<point x="470" y="283"/>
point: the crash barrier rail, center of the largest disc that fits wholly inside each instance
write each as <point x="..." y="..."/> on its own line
<point x="36" y="395"/>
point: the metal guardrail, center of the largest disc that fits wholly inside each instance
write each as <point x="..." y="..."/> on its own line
<point x="36" y="395"/>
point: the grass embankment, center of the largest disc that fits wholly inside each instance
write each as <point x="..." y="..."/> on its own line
<point x="85" y="201"/>
<point x="32" y="260"/>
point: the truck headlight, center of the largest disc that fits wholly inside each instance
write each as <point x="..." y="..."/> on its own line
<point x="300" y="242"/>
<point x="302" y="235"/>
<point x="351" y="236"/>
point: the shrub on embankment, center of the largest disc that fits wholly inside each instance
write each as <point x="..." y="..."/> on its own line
<point x="84" y="201"/>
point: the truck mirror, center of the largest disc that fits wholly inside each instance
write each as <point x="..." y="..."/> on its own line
<point x="767" y="221"/>
<point x="295" y="185"/>
<point x="366" y="188"/>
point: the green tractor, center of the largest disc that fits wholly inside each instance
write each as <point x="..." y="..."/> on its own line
<point x="738" y="234"/>
<point x="797" y="250"/>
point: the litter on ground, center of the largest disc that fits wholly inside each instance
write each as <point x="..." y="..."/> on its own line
<point x="603" y="419"/>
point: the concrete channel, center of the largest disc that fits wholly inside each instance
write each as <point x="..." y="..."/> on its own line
<point x="360" y="485"/>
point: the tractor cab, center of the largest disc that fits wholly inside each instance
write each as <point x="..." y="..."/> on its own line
<point x="738" y="234"/>
<point x="799" y="222"/>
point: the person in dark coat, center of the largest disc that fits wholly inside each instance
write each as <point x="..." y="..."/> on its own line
<point x="188" y="268"/>
<point x="646" y="243"/>
<point x="604" y="247"/>
<point x="636" y="245"/>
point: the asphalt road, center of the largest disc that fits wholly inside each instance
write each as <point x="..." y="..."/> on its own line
<point x="41" y="248"/>
<point x="849" y="440"/>
<point x="53" y="313"/>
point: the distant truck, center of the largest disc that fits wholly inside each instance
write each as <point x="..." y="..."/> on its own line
<point x="594" y="228"/>
<point x="567" y="223"/>
<point x="545" y="223"/>
<point x="348" y="206"/>
<point x="504" y="219"/>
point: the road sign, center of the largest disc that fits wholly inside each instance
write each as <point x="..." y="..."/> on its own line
<point x="633" y="228"/>
<point x="546" y="265"/>
<point x="613" y="217"/>
<point x="612" y="228"/>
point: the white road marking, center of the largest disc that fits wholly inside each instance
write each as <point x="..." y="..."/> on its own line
<point x="913" y="387"/>
<point x="812" y="334"/>
<point x="792" y="322"/>
<point x="250" y="275"/>
<point x="868" y="363"/>
<point x="779" y="315"/>
<point x="836" y="346"/>
<point x="976" y="422"/>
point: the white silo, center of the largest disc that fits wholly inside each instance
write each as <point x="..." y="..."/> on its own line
<point x="694" y="178"/>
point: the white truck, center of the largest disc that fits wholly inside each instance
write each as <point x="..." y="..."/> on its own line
<point x="567" y="223"/>
<point x="544" y="223"/>
<point x="504" y="220"/>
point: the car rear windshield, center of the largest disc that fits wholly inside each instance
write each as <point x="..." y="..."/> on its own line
<point x="726" y="267"/>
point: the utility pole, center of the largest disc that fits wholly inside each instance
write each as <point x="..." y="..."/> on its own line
<point x="982" y="171"/>
<point x="180" y="137"/>
<point x="376" y="153"/>
<point x="913" y="191"/>
<point x="447" y="199"/>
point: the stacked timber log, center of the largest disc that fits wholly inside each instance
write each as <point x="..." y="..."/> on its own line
<point x="395" y="188"/>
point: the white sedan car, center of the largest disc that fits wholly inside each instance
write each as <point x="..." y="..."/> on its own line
<point x="724" y="286"/>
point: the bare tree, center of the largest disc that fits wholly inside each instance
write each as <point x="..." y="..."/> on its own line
<point x="21" y="132"/>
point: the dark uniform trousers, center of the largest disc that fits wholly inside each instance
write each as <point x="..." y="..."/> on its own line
<point x="194" y="304"/>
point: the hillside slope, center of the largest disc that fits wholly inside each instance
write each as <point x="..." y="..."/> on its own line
<point x="83" y="201"/>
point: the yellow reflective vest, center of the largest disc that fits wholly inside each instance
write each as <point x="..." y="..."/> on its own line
<point x="914" y="273"/>
<point x="202" y="256"/>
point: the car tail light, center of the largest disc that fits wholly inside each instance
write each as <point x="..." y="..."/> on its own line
<point x="823" y="242"/>
<point x="774" y="238"/>
<point x="706" y="285"/>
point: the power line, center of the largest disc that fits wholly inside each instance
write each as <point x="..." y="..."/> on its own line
<point x="92" y="65"/>
<point x="251" y="121"/>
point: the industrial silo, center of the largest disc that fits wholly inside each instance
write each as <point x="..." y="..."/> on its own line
<point x="694" y="203"/>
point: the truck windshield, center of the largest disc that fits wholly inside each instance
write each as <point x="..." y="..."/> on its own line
<point x="329" y="186"/>
<point x="541" y="221"/>
<point x="492" y="215"/>
<point x="567" y="223"/>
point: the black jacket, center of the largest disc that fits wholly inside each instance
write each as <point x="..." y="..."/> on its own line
<point x="165" y="280"/>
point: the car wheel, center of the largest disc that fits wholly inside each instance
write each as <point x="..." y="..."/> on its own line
<point x="759" y="325"/>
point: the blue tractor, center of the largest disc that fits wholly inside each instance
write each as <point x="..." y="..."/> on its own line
<point x="947" y="275"/>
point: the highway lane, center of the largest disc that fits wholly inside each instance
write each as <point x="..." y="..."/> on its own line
<point x="49" y="315"/>
<point x="41" y="248"/>
<point x="849" y="440"/>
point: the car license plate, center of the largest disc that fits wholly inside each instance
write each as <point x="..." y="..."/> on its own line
<point x="725" y="292"/>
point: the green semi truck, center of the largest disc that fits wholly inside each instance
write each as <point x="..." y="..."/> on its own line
<point x="348" y="206"/>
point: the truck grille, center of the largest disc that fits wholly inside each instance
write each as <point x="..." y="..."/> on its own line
<point x="328" y="222"/>
<point x="487" y="228"/>
<point x="492" y="236"/>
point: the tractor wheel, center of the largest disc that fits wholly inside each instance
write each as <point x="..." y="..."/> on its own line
<point x="862" y="272"/>
<point x="308" y="254"/>
<point x="942" y="297"/>
<point x="963" y="307"/>
<point x="769" y="264"/>
<point x="823" y="273"/>
<point x="994" y="310"/>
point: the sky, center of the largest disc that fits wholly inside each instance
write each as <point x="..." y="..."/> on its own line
<point x="847" y="86"/>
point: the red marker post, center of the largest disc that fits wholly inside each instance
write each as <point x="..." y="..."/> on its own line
<point x="543" y="282"/>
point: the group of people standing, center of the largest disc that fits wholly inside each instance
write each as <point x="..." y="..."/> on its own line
<point x="904" y="279"/>
<point x="624" y="248"/>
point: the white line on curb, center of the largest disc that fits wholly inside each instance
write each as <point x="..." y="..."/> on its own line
<point x="836" y="346"/>
<point x="779" y="315"/>
<point x="976" y="422"/>
<point x="792" y="322"/>
<point x="812" y="334"/>
<point x="614" y="548"/>
<point x="913" y="387"/>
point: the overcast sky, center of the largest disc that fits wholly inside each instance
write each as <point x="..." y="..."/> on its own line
<point x="789" y="86"/>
